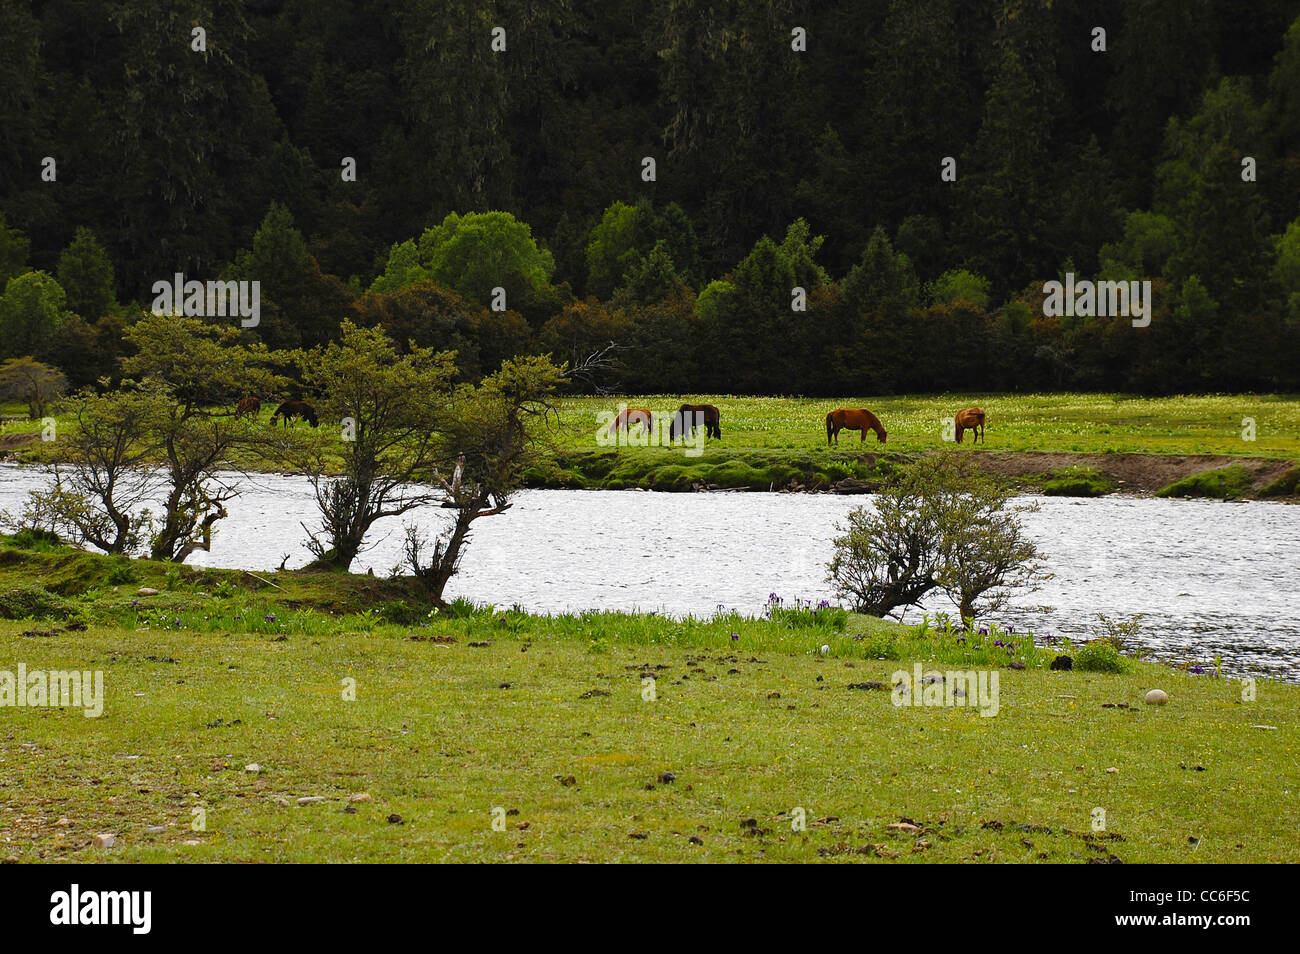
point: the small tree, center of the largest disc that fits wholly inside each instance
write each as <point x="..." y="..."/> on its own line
<point x="197" y="371"/>
<point x="106" y="475"/>
<point x="986" y="555"/>
<point x="489" y="438"/>
<point x="388" y="408"/>
<point x="941" y="525"/>
<point x="35" y="384"/>
<point x="890" y="556"/>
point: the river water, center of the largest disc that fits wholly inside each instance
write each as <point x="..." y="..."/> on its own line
<point x="1211" y="579"/>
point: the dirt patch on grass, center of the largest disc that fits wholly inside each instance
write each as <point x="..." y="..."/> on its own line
<point x="11" y="442"/>
<point x="1133" y="473"/>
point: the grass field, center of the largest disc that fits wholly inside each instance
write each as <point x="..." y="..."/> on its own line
<point x="1067" y="423"/>
<point x="546" y="727"/>
<point x="781" y="442"/>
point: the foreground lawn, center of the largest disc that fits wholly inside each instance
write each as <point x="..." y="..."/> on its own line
<point x="549" y="722"/>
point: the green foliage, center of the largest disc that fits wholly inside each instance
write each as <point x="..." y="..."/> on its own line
<point x="1100" y="655"/>
<point x="33" y="602"/>
<point x="1288" y="485"/>
<point x="959" y="285"/>
<point x="1078" y="481"/>
<point x="473" y="254"/>
<point x="1222" y="483"/>
<point x="86" y="274"/>
<point x="33" y="311"/>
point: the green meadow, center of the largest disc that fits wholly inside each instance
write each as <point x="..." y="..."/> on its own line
<point x="303" y="717"/>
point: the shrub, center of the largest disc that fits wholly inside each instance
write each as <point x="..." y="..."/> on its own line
<point x="1100" y="655"/>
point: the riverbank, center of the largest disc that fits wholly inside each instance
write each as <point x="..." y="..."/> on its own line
<point x="317" y="717"/>
<point x="1227" y="446"/>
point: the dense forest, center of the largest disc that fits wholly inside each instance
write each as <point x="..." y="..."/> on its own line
<point x="918" y="168"/>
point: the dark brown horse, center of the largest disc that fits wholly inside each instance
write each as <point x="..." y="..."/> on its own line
<point x="972" y="419"/>
<point x="295" y="409"/>
<point x="691" y="416"/>
<point x="248" y="407"/>
<point x="629" y="416"/>
<point x="853" y="419"/>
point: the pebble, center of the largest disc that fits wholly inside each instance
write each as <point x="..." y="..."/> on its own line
<point x="156" y="830"/>
<point x="359" y="797"/>
<point x="252" y="767"/>
<point x="146" y="591"/>
<point x="105" y="840"/>
<point x="311" y="799"/>
<point x="1157" y="697"/>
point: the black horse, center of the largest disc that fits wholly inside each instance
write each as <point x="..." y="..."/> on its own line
<point x="290" y="410"/>
<point x="691" y="416"/>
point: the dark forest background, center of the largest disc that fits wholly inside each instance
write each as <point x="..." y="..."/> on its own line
<point x="775" y="168"/>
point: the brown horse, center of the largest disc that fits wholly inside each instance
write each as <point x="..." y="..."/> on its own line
<point x="629" y="416"/>
<point x="248" y="406"/>
<point x="690" y="416"/>
<point x="970" y="418"/>
<point x="295" y="409"/>
<point x="853" y="419"/>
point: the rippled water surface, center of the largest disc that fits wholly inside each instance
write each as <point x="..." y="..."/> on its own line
<point x="1211" y="579"/>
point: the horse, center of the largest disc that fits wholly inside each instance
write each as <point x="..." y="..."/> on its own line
<point x="629" y="416"/>
<point x="248" y="406"/>
<point x="859" y="419"/>
<point x="295" y="409"/>
<point x="970" y="418"/>
<point x="690" y="416"/>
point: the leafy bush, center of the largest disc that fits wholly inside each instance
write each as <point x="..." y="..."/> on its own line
<point x="1100" y="655"/>
<point x="33" y="602"/>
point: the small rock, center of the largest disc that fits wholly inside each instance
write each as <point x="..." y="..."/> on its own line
<point x="1015" y="664"/>
<point x="1112" y="771"/>
<point x="282" y="802"/>
<point x="252" y="767"/>
<point x="156" y="830"/>
<point x="105" y="840"/>
<point x="63" y="821"/>
<point x="192" y="842"/>
<point x="311" y="799"/>
<point x="395" y="819"/>
<point x="359" y="797"/>
<point x="146" y="591"/>
<point x="1157" y="697"/>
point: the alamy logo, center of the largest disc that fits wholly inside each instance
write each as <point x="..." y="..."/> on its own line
<point x="952" y="688"/>
<point x="1088" y="299"/>
<point x="103" y="907"/>
<point x="196" y="299"/>
<point x="57" y="689"/>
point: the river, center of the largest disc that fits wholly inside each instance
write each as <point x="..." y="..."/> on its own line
<point x="1211" y="579"/>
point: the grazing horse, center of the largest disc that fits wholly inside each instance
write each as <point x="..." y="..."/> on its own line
<point x="690" y="416"/>
<point x="859" y="419"/>
<point x="248" y="406"/>
<point x="295" y="409"/>
<point x="629" y="416"/>
<point x="970" y="418"/>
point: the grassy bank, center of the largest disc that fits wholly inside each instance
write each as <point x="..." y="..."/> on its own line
<point x="550" y="721"/>
<point x="1084" y="444"/>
